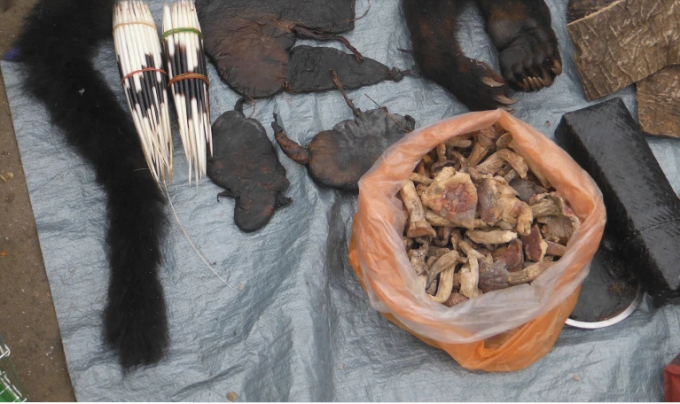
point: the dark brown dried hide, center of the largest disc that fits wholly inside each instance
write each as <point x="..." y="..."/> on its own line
<point x="337" y="158"/>
<point x="250" y="42"/>
<point x="245" y="164"/>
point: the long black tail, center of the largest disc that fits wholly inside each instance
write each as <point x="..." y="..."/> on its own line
<point x="57" y="47"/>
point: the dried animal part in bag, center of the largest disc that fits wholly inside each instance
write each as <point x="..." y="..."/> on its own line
<point x="251" y="44"/>
<point x="504" y="241"/>
<point x="245" y="164"/>
<point x="512" y="255"/>
<point x="452" y="196"/>
<point x="337" y="158"/>
<point x="526" y="189"/>
<point x="535" y="247"/>
<point x="418" y="226"/>
<point x="498" y="203"/>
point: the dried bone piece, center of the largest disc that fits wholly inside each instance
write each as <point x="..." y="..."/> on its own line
<point x="418" y="226"/>
<point x="448" y="260"/>
<point x="420" y="178"/>
<point x="624" y="43"/>
<point x="469" y="278"/>
<point x="453" y="196"/>
<point x="497" y="203"/>
<point x="445" y="286"/>
<point x="455" y="299"/>
<point x="534" y="245"/>
<point x="486" y="142"/>
<point x="529" y="274"/>
<point x="494" y="163"/>
<point x="491" y="237"/>
<point x="658" y="100"/>
<point x="512" y="255"/>
<point x="460" y="142"/>
<point x="555" y="249"/>
<point x="503" y="141"/>
<point x="526" y="189"/>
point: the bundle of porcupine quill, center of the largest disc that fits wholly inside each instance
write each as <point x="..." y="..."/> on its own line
<point x="140" y="62"/>
<point x="188" y="81"/>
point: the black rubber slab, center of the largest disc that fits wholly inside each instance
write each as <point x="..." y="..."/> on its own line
<point x="643" y="212"/>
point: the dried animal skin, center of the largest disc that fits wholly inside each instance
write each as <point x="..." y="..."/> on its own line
<point x="624" y="43"/>
<point x="245" y="164"/>
<point x="547" y="205"/>
<point x="497" y="203"/>
<point x="658" y="100"/>
<point x="418" y="226"/>
<point x="491" y="237"/>
<point x="558" y="228"/>
<point x="453" y="196"/>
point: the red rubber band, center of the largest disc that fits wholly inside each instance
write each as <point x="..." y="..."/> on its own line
<point x="148" y="69"/>
<point x="186" y="76"/>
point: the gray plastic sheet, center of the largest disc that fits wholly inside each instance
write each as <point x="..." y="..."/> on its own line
<point x="292" y="322"/>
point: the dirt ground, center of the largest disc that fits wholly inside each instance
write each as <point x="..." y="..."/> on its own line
<point x="28" y="323"/>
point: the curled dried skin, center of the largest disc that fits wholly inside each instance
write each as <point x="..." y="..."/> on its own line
<point x="503" y="141"/>
<point x="418" y="226"/>
<point x="453" y="196"/>
<point x="491" y="237"/>
<point x="504" y="156"/>
<point x="547" y="205"/>
<point x="558" y="229"/>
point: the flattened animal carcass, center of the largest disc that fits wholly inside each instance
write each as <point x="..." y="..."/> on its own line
<point x="245" y="164"/>
<point x="249" y="42"/>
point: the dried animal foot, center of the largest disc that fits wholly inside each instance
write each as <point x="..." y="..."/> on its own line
<point x="527" y="45"/>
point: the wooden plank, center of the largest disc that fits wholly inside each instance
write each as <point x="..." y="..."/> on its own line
<point x="625" y="42"/>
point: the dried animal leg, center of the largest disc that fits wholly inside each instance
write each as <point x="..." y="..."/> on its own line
<point x="418" y="226"/>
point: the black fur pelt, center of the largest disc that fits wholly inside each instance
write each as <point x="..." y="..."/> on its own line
<point x="520" y="30"/>
<point x="57" y="47"/>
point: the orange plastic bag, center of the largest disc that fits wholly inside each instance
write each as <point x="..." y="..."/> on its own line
<point x="503" y="330"/>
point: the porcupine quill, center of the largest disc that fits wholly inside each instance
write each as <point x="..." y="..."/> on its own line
<point x="184" y="54"/>
<point x="140" y="63"/>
